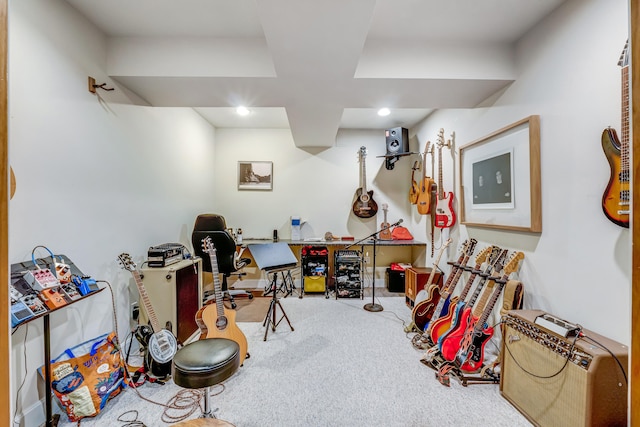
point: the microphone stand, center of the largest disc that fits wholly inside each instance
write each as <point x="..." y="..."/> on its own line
<point x="372" y="306"/>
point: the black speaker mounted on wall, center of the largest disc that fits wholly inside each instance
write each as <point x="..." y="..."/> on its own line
<point x="397" y="141"/>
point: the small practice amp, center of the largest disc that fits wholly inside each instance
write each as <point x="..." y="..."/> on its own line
<point x="555" y="381"/>
<point x="165" y="254"/>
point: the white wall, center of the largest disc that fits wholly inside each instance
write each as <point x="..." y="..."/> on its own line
<point x="578" y="267"/>
<point x="97" y="178"/>
<point x="96" y="175"/>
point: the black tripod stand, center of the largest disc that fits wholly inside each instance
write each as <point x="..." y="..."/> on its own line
<point x="271" y="316"/>
<point x="372" y="306"/>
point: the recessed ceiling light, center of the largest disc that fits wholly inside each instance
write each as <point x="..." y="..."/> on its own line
<point x="384" y="112"/>
<point x="243" y="111"/>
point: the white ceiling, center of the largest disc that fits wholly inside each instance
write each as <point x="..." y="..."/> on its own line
<point x="313" y="66"/>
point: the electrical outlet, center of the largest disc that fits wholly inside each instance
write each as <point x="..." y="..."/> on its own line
<point x="366" y="260"/>
<point x="135" y="311"/>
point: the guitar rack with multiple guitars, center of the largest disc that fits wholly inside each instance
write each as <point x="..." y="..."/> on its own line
<point x="453" y="329"/>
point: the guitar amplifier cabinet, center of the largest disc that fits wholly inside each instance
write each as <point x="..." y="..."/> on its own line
<point x="175" y="294"/>
<point x="414" y="280"/>
<point x="588" y="389"/>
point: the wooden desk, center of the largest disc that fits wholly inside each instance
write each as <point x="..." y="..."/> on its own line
<point x="387" y="251"/>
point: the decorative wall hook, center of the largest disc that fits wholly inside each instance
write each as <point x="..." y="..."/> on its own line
<point x="93" y="86"/>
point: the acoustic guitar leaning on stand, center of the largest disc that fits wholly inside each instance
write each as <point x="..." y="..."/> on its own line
<point x="215" y="320"/>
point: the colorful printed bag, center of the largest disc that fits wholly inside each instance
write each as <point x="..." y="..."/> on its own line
<point x="84" y="378"/>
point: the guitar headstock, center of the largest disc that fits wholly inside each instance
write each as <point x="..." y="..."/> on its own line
<point x="385" y="207"/>
<point x="207" y="245"/>
<point x="624" y="56"/>
<point x="440" y="142"/>
<point x="362" y="153"/>
<point x="470" y="246"/>
<point x="484" y="255"/>
<point x="513" y="263"/>
<point x="125" y="261"/>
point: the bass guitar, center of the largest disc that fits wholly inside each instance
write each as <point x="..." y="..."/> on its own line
<point x="449" y="341"/>
<point x="385" y="230"/>
<point x="470" y="357"/>
<point x="415" y="189"/>
<point x="616" y="198"/>
<point x="364" y="206"/>
<point x="215" y="320"/>
<point x="428" y="296"/>
<point x="427" y="186"/>
<point x="445" y="216"/>
<point x="160" y="345"/>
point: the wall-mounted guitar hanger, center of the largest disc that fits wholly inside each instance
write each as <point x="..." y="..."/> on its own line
<point x="93" y="86"/>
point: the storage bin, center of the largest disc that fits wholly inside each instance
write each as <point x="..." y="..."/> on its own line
<point x="314" y="283"/>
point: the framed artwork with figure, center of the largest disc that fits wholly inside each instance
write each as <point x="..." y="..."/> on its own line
<point x="500" y="178"/>
<point x="255" y="175"/>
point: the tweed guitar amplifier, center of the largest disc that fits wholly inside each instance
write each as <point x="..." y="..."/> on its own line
<point x="587" y="390"/>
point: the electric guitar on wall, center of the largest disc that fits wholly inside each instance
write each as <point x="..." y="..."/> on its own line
<point x="215" y="320"/>
<point x="445" y="216"/>
<point x="385" y="231"/>
<point x="161" y="345"/>
<point x="364" y="205"/>
<point x="616" y="198"/>
<point x="427" y="186"/>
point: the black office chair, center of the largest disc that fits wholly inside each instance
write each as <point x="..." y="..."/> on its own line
<point x="229" y="261"/>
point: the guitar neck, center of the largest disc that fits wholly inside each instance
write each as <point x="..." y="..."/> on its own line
<point x="624" y="144"/>
<point x="440" y="190"/>
<point x="363" y="175"/>
<point x="145" y="300"/>
<point x="217" y="287"/>
<point x="489" y="307"/>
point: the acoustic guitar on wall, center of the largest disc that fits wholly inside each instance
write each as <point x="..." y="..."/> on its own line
<point x="385" y="227"/>
<point x="364" y="205"/>
<point x="616" y="198"/>
<point x="427" y="186"/>
<point x="215" y="320"/>
<point x="415" y="189"/>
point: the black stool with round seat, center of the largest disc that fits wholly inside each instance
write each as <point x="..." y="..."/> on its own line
<point x="205" y="363"/>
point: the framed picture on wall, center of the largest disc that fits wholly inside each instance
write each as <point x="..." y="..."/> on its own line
<point x="255" y="175"/>
<point x="500" y="178"/>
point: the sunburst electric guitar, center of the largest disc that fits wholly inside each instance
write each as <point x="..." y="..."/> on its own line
<point x="364" y="205"/>
<point x="445" y="215"/>
<point x="161" y="345"/>
<point x="215" y="320"/>
<point x="616" y="198"/>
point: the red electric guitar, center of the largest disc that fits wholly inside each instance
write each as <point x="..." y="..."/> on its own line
<point x="616" y="198"/>
<point x="449" y="340"/>
<point x="470" y="357"/>
<point x="445" y="216"/>
<point x="441" y="325"/>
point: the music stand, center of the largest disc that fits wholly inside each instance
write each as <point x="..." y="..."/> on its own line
<point x="372" y="306"/>
<point x="274" y="258"/>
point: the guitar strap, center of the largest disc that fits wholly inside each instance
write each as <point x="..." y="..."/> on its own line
<point x="511" y="296"/>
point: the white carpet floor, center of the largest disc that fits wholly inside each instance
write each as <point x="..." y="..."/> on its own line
<point x="341" y="366"/>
